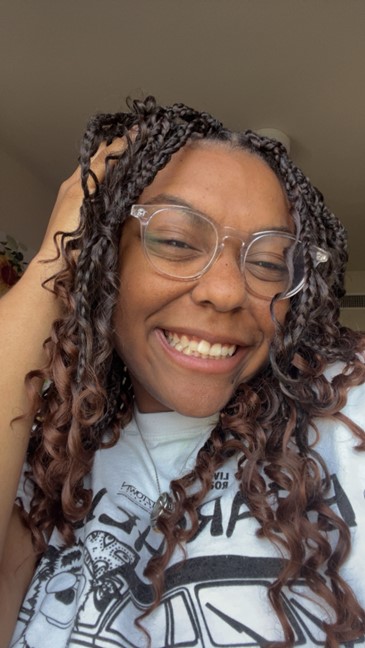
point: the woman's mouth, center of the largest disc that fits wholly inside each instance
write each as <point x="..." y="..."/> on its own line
<point x="199" y="348"/>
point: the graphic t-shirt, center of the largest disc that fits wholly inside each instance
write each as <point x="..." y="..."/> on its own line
<point x="91" y="594"/>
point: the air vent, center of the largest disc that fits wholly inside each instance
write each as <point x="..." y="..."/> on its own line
<point x="353" y="301"/>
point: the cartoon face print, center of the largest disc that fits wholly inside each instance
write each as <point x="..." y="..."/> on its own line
<point x="59" y="600"/>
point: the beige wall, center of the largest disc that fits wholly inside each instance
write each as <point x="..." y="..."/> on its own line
<point x="25" y="201"/>
<point x="355" y="282"/>
<point x="353" y="318"/>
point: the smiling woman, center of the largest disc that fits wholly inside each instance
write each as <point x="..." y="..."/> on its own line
<point x="191" y="476"/>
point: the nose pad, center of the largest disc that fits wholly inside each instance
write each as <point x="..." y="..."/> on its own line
<point x="242" y="260"/>
<point x="240" y="257"/>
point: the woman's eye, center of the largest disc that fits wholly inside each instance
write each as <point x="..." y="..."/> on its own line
<point x="171" y="243"/>
<point x="268" y="268"/>
<point x="176" y="243"/>
<point x="271" y="266"/>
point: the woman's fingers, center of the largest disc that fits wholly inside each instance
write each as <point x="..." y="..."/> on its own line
<point x="97" y="164"/>
<point x="66" y="211"/>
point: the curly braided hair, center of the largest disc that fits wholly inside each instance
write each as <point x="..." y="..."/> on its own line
<point x="89" y="397"/>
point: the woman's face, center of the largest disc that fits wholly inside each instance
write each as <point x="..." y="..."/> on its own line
<point x="236" y="189"/>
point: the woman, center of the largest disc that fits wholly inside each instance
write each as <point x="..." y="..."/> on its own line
<point x="194" y="474"/>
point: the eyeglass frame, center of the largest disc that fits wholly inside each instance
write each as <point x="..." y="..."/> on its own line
<point x="141" y="213"/>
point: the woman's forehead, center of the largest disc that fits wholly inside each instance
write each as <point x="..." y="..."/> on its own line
<point x="218" y="178"/>
<point x="206" y="159"/>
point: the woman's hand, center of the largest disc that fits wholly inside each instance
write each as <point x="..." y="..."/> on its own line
<point x="66" y="211"/>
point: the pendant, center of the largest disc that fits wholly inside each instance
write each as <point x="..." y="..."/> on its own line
<point x="163" y="504"/>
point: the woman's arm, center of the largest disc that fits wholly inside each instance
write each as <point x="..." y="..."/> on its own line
<point x="27" y="312"/>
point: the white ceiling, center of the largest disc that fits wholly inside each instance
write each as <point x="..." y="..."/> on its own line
<point x="295" y="65"/>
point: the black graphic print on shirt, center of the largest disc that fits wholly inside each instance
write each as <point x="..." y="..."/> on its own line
<point x="90" y="594"/>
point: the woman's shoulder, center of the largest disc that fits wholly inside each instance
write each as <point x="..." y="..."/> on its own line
<point x="354" y="408"/>
<point x="336" y="436"/>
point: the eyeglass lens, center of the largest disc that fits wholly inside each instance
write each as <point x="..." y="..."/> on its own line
<point x="181" y="243"/>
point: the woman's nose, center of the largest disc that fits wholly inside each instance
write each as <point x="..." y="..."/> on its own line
<point x="223" y="285"/>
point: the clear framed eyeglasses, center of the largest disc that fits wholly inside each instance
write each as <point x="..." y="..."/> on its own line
<point x="184" y="244"/>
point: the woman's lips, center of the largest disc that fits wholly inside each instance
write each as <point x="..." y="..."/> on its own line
<point x="204" y="363"/>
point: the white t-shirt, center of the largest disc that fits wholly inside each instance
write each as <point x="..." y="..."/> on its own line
<point x="91" y="593"/>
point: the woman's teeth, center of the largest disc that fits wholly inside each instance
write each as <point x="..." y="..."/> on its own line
<point x="201" y="348"/>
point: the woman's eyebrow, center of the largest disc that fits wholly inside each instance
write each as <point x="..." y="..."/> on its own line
<point x="170" y="199"/>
